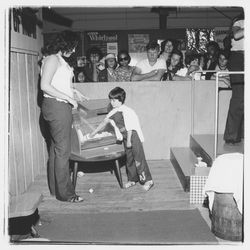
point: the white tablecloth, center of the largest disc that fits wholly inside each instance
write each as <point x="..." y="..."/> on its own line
<point x="226" y="176"/>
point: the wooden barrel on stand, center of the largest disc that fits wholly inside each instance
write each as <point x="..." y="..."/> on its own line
<point x="226" y="218"/>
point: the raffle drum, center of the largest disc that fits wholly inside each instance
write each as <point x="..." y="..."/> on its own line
<point x="102" y="147"/>
<point x="226" y="218"/>
<point x="88" y="116"/>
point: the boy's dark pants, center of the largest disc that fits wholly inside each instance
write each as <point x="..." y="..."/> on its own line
<point x="59" y="117"/>
<point x="136" y="162"/>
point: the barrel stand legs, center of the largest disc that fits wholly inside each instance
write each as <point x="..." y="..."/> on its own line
<point x="117" y="170"/>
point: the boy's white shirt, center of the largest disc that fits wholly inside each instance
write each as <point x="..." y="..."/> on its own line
<point x="131" y="120"/>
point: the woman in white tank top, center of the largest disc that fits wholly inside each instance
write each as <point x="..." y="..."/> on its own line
<point x="56" y="84"/>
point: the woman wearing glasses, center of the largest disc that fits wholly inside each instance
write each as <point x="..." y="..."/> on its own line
<point x="124" y="71"/>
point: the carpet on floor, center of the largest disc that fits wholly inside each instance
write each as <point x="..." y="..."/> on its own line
<point x="147" y="227"/>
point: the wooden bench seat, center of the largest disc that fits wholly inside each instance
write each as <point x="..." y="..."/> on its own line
<point x="24" y="204"/>
<point x="21" y="208"/>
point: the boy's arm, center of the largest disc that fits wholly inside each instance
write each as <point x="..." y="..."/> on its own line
<point x="129" y="135"/>
<point x="100" y="127"/>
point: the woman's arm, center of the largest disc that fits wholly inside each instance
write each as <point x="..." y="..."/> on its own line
<point x="49" y="68"/>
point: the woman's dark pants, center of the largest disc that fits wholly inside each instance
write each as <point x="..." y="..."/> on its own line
<point x="59" y="117"/>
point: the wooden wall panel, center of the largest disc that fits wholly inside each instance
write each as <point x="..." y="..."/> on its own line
<point x="32" y="116"/>
<point x="42" y="152"/>
<point x="25" y="119"/>
<point x="12" y="173"/>
<point x="16" y="132"/>
<point x="28" y="152"/>
<point x="26" y="144"/>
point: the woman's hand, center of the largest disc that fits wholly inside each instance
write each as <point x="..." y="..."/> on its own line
<point x="91" y="135"/>
<point x="79" y="96"/>
<point x="72" y="102"/>
<point x="129" y="144"/>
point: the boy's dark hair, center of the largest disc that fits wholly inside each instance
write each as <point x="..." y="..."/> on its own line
<point x="191" y="57"/>
<point x="153" y="45"/>
<point x="118" y="93"/>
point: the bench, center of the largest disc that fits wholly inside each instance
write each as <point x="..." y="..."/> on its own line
<point x="24" y="205"/>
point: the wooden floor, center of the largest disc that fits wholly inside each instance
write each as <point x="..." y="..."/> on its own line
<point x="167" y="193"/>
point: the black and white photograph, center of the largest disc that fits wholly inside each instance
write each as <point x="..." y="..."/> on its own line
<point x="124" y="124"/>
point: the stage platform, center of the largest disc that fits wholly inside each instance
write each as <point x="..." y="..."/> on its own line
<point x="184" y="158"/>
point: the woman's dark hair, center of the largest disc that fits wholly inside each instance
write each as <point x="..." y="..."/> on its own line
<point x="106" y="64"/>
<point x="224" y="53"/>
<point x="123" y="52"/>
<point x="118" y="93"/>
<point x="180" y="64"/>
<point x="65" y="41"/>
<point x="92" y="51"/>
<point x="163" y="44"/>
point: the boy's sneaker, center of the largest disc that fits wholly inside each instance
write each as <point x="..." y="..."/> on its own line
<point x="148" y="185"/>
<point x="129" y="184"/>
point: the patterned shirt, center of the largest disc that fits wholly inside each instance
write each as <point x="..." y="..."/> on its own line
<point x="124" y="74"/>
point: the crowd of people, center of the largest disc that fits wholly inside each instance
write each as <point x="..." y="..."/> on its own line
<point x="164" y="62"/>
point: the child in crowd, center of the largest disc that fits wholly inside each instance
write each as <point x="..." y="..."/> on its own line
<point x="192" y="62"/>
<point x="129" y="130"/>
<point x="211" y="58"/>
<point x="94" y="65"/>
<point x="175" y="68"/>
<point x="222" y="66"/>
<point x="79" y="74"/>
<point x="108" y="74"/>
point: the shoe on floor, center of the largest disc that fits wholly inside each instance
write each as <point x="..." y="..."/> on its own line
<point x="76" y="199"/>
<point x="148" y="185"/>
<point x="129" y="184"/>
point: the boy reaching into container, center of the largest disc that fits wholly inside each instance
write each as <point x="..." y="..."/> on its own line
<point x="127" y="128"/>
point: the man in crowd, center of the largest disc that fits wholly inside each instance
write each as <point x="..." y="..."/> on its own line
<point x="152" y="68"/>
